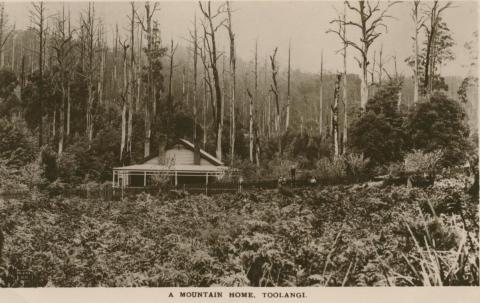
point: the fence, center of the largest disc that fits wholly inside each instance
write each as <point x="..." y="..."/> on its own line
<point x="108" y="193"/>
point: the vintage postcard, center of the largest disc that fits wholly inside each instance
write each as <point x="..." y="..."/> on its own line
<point x="239" y="151"/>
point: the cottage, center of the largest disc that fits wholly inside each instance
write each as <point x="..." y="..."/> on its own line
<point x="181" y="163"/>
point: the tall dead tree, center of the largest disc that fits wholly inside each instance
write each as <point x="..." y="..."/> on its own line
<point x="130" y="86"/>
<point x="89" y="25"/>
<point x="251" y="107"/>
<point x="287" y="118"/>
<point x="380" y="65"/>
<point x="210" y="27"/>
<point x="275" y="91"/>
<point x="233" y="85"/>
<point x="69" y="101"/>
<point x="431" y="31"/>
<point x="147" y="27"/>
<point x="320" y="105"/>
<point x="344" y="98"/>
<point x="125" y="104"/>
<point x="101" y="64"/>
<point x="334" y="108"/>
<point x="208" y="81"/>
<point x="173" y="49"/>
<point x="195" y="61"/>
<point x="417" y="21"/>
<point x="39" y="22"/>
<point x="114" y="86"/>
<point x="207" y="87"/>
<point x="4" y="33"/>
<point x="63" y="45"/>
<point x="370" y="19"/>
<point x="255" y="105"/>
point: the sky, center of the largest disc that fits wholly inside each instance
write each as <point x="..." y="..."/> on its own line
<point x="276" y="23"/>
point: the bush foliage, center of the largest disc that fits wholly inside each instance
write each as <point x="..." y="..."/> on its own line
<point x="337" y="235"/>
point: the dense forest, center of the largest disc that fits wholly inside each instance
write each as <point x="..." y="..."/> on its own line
<point x="76" y="102"/>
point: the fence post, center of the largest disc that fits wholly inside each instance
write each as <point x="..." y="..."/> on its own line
<point x="240" y="183"/>
<point x="206" y="184"/>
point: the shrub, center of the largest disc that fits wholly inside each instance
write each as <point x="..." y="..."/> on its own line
<point x="17" y="145"/>
<point x="29" y="177"/>
<point x="281" y="167"/>
<point x="440" y="124"/>
<point x="379" y="133"/>
<point x="248" y="169"/>
<point x="424" y="163"/>
<point x="326" y="168"/>
<point x="163" y="180"/>
<point x="48" y="160"/>
<point x="356" y="165"/>
<point x="396" y="169"/>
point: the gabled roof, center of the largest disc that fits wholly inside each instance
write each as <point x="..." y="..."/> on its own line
<point x="203" y="154"/>
<point x="190" y="146"/>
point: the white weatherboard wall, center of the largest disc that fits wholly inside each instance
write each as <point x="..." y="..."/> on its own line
<point x="181" y="156"/>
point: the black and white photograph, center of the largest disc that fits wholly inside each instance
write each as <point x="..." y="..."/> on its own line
<point x="235" y="144"/>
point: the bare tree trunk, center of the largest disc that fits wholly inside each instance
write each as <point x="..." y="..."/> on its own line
<point x="170" y="74"/>
<point x="195" y="60"/>
<point x="435" y="13"/>
<point x="54" y="125"/>
<point x="415" y="71"/>
<point x="257" y="148"/>
<point x="320" y="114"/>
<point x="114" y="86"/>
<point x="274" y="90"/>
<point x="102" y="67"/>
<point x="148" y="104"/>
<point x="380" y="66"/>
<point x="287" y="119"/>
<point x="231" y="36"/>
<point x="212" y="50"/>
<point x="345" y="101"/>
<point x="61" y="134"/>
<point x="335" y="115"/>
<point x="124" y="99"/>
<point x="269" y="116"/>
<point x="130" y="85"/>
<point x="69" y="112"/>
<point x="301" y="126"/>
<point x="370" y="18"/>
<point x="13" y="54"/>
<point x="183" y="85"/>
<point x="255" y="108"/>
<point x="38" y="14"/>
<point x="364" y="84"/>
<point x="139" y="66"/>
<point x="250" y="125"/>
<point x="2" y="28"/>
<point x="90" y="24"/>
<point x="205" y="102"/>
<point x="251" y="109"/>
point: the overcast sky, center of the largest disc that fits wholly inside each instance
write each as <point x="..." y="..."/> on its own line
<point x="274" y="23"/>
